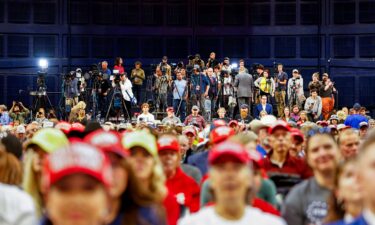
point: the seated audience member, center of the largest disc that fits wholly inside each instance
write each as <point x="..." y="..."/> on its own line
<point x="76" y="191"/>
<point x="217" y="135"/>
<point x="262" y="106"/>
<point x="365" y="178"/>
<point x="18" y="112"/>
<point x="145" y="116"/>
<point x="346" y="200"/>
<point x="4" y="116"/>
<point x="363" y="128"/>
<point x="355" y="119"/>
<point x="284" y="169"/>
<point x="183" y="187"/>
<point x="306" y="203"/>
<point x="244" y="116"/>
<point x="313" y="106"/>
<point x="295" y="113"/>
<point x="231" y="183"/>
<point x="348" y="141"/>
<point x="195" y="118"/>
<point x="171" y="118"/>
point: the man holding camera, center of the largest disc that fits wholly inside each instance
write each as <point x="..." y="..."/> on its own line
<point x="313" y="106"/>
<point x="295" y="90"/>
<point x="103" y="89"/>
<point x="18" y="112"/>
<point x="161" y="89"/>
<point x="212" y="62"/>
<point x="164" y="66"/>
<point x="71" y="91"/>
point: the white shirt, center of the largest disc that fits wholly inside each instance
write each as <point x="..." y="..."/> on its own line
<point x="126" y="90"/>
<point x="17" y="207"/>
<point x="369" y="217"/>
<point x="149" y="118"/>
<point x="252" y="216"/>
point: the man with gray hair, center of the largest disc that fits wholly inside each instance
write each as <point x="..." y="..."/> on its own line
<point x="105" y="69"/>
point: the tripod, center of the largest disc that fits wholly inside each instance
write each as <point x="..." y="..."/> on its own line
<point x="118" y="102"/>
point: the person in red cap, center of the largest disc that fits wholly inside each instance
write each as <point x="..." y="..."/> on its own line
<point x="171" y="118"/>
<point x="217" y="135"/>
<point x="125" y="190"/>
<point x="76" y="180"/>
<point x="231" y="183"/>
<point x="195" y="118"/>
<point x="183" y="187"/>
<point x="284" y="169"/>
<point x="296" y="149"/>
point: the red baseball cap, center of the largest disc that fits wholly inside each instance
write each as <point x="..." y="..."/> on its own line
<point x="256" y="158"/>
<point x="63" y="126"/>
<point x="220" y="134"/>
<point x="170" y="109"/>
<point x="296" y="133"/>
<point x="108" y="141"/>
<point x="280" y="124"/>
<point x="228" y="151"/>
<point x="168" y="142"/>
<point x="189" y="130"/>
<point x="77" y="127"/>
<point x="219" y="123"/>
<point x="79" y="157"/>
<point x="233" y="122"/>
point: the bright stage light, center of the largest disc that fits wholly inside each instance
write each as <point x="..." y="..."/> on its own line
<point x="43" y="63"/>
<point x="234" y="65"/>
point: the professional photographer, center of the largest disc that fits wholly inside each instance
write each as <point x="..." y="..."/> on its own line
<point x="225" y="89"/>
<point x="165" y="67"/>
<point x="180" y="94"/>
<point x="127" y="93"/>
<point x="212" y="62"/>
<point x="71" y="92"/>
<point x="103" y="90"/>
<point x="225" y="66"/>
<point x="326" y="93"/>
<point x="295" y="90"/>
<point x="313" y="106"/>
<point x="196" y="60"/>
<point x="213" y="91"/>
<point x="280" y="90"/>
<point x="18" y="112"/>
<point x="161" y="89"/>
<point x="138" y="76"/>
<point x="199" y="87"/>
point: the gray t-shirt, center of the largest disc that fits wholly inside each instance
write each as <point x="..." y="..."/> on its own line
<point x="306" y="204"/>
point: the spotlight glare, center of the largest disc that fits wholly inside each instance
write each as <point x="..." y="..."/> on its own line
<point x="43" y="63"/>
<point x="234" y="65"/>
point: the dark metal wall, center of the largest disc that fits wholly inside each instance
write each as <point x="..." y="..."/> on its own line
<point x="337" y="36"/>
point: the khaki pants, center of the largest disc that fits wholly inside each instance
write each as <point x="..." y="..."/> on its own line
<point x="280" y="101"/>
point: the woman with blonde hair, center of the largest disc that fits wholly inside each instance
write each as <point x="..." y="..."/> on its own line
<point x="144" y="159"/>
<point x="44" y="141"/>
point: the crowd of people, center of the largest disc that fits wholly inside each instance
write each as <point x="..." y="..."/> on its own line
<point x="306" y="165"/>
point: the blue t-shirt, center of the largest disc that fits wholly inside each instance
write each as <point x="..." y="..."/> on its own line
<point x="354" y="120"/>
<point x="107" y="71"/>
<point x="179" y="88"/>
<point x="199" y="80"/>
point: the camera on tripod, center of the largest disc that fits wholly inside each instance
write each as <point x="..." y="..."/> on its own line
<point x="117" y="76"/>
